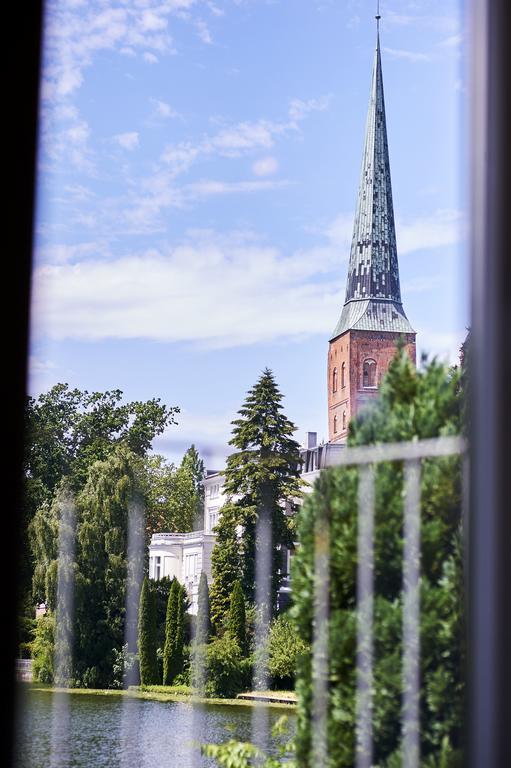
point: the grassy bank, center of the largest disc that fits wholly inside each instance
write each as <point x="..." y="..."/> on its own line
<point x="178" y="693"/>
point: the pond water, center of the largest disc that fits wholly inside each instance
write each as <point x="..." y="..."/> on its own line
<point x="92" y="731"/>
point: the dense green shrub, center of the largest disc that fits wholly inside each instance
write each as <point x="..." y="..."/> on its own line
<point x="285" y="646"/>
<point x="43" y="649"/>
<point x="225" y="671"/>
<point x="411" y="404"/>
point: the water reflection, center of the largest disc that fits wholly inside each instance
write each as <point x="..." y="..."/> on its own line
<point x="114" y="732"/>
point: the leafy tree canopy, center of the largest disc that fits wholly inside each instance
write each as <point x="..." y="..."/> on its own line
<point x="69" y="429"/>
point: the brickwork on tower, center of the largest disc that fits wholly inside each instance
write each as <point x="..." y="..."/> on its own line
<point x="347" y="389"/>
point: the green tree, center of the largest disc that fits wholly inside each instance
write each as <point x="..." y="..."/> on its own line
<point x="148" y="661"/>
<point x="412" y="404"/>
<point x="236" y="623"/>
<point x="224" y="667"/>
<point x="175" y="495"/>
<point x="43" y="649"/>
<point x="193" y="465"/>
<point x="67" y="430"/>
<point x="225" y="565"/>
<point x="203" y="623"/>
<point x="285" y="648"/>
<point x="113" y="486"/>
<point x="264" y="475"/>
<point x="174" y="634"/>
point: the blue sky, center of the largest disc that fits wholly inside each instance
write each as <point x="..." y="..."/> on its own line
<point x="198" y="172"/>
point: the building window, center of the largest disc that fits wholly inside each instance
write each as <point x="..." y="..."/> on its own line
<point x="343" y="420"/>
<point x="157" y="568"/>
<point x="369" y="373"/>
<point x="335" y="424"/>
<point x="334" y="380"/>
<point x="343" y="375"/>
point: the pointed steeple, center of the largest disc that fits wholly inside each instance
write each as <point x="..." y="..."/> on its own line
<point x="373" y="295"/>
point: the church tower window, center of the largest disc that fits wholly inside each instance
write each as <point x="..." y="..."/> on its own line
<point x="369" y="373"/>
<point x="334" y="380"/>
<point x="343" y="375"/>
<point x="335" y="424"/>
<point x="343" y="421"/>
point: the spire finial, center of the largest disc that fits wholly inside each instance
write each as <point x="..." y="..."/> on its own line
<point x="378" y="17"/>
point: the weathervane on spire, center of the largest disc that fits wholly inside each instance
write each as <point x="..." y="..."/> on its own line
<point x="378" y="17"/>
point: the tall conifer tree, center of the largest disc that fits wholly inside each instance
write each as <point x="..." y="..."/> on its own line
<point x="237" y="622"/>
<point x="203" y="624"/>
<point x="263" y="474"/>
<point x="147" y="636"/>
<point x="225" y="565"/>
<point x="170" y="632"/>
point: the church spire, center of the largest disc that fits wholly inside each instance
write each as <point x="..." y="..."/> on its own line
<point x="373" y="295"/>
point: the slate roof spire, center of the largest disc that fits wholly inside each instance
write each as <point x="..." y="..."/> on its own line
<point x="373" y="294"/>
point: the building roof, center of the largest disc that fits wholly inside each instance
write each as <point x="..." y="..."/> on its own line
<point x="373" y="294"/>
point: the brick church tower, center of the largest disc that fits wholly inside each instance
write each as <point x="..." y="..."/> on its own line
<point x="372" y="318"/>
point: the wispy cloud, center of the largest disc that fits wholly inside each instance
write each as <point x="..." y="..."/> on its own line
<point x="76" y="32"/>
<point x="413" y="56"/>
<point x="265" y="166"/>
<point x="442" y="228"/>
<point x="129" y="140"/>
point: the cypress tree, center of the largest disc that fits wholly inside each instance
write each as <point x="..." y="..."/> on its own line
<point x="203" y="625"/>
<point x="236" y="623"/>
<point x="171" y="621"/>
<point x="177" y="657"/>
<point x="264" y="475"/>
<point x="147" y="636"/>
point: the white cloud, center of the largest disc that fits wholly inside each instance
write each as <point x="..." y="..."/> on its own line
<point x="412" y="56"/>
<point x="299" y="109"/>
<point x="211" y="187"/>
<point x="442" y="228"/>
<point x="240" y="138"/>
<point x="265" y="166"/>
<point x="64" y="253"/>
<point x="443" y="345"/>
<point x="129" y="140"/>
<point x="162" y="109"/>
<point x="150" y="57"/>
<point x="203" y="32"/>
<point x="215" y="290"/>
<point x="210" y="291"/>
<point x="76" y="33"/>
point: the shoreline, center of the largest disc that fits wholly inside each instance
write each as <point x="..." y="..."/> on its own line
<point x="265" y="699"/>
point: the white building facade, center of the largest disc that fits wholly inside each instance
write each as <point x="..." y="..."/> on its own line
<point x="185" y="555"/>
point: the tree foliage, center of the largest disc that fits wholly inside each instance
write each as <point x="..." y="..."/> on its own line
<point x="174" y="634"/>
<point x="285" y="648"/>
<point x="412" y="404"/>
<point x="174" y="494"/>
<point x="67" y="431"/>
<point x="263" y="474"/>
<point x="203" y="622"/>
<point x="225" y="565"/>
<point x="112" y="487"/>
<point x="147" y="637"/>
<point x="237" y="621"/>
